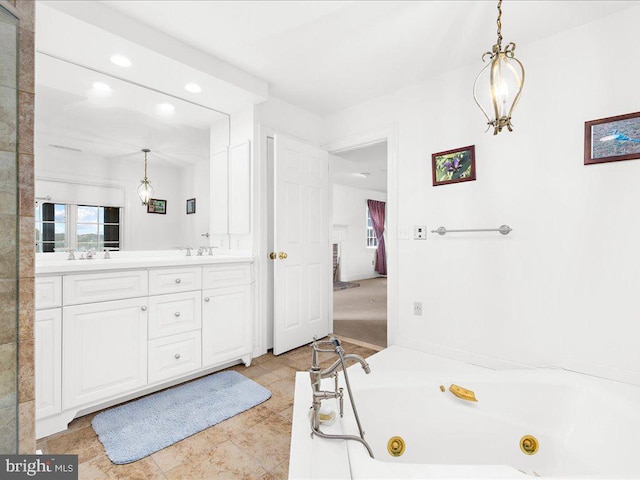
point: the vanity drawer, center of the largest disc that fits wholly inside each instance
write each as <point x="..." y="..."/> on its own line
<point x="219" y="276"/>
<point x="174" y="313"/>
<point x="48" y="292"/>
<point x="174" y="355"/>
<point x="101" y="287"/>
<point x="174" y="280"/>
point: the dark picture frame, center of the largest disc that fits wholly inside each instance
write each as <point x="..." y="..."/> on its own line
<point x="156" y="205"/>
<point x="191" y="206"/>
<point x="612" y="139"/>
<point x="454" y="166"/>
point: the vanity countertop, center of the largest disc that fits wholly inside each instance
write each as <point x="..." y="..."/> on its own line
<point x="58" y="265"/>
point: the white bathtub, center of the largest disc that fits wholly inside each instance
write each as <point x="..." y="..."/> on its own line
<point x="586" y="427"/>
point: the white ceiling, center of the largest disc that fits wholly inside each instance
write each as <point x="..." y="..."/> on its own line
<point x="118" y="124"/>
<point x="327" y="55"/>
<point x="348" y="167"/>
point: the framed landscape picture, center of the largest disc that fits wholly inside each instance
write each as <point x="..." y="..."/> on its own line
<point x="612" y="139"/>
<point x="157" y="206"/>
<point x="454" y="166"/>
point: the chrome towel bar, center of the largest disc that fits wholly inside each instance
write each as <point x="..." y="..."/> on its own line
<point x="503" y="229"/>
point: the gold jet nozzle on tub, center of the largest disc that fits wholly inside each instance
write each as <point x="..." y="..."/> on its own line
<point x="463" y="393"/>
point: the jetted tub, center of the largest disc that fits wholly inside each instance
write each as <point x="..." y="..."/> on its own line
<point x="585" y="427"/>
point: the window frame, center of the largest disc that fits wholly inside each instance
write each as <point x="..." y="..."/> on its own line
<point x="71" y="227"/>
<point x="371" y="240"/>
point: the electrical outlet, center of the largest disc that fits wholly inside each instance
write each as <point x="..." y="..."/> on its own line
<point x="417" y="308"/>
<point x="419" y="232"/>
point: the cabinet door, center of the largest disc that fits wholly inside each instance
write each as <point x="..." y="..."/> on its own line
<point x="226" y="322"/>
<point x="105" y="350"/>
<point x="48" y="362"/>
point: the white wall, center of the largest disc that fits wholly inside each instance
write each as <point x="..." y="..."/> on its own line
<point x="357" y="261"/>
<point x="561" y="288"/>
<point x="141" y="230"/>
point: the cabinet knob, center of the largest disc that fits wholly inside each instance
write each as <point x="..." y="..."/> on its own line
<point x="143" y="308"/>
<point x="177" y="314"/>
<point x="282" y="255"/>
<point x="178" y="280"/>
<point x="177" y="356"/>
<point x="206" y="299"/>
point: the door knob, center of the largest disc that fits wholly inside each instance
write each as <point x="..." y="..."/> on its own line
<point x="282" y="255"/>
<point x="272" y="255"/>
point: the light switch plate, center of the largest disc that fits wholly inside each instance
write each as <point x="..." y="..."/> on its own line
<point x="419" y="232"/>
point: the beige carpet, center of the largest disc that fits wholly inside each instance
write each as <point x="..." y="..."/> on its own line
<point x="361" y="313"/>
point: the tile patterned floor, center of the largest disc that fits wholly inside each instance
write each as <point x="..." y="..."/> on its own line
<point x="252" y="445"/>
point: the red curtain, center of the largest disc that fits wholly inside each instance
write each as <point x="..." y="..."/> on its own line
<point x="377" y="212"/>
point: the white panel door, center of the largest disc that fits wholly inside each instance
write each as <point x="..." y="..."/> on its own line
<point x="301" y="242"/>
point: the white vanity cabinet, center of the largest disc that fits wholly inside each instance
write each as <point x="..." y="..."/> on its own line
<point x="175" y="320"/>
<point x="226" y="323"/>
<point x="105" y="350"/>
<point x="226" y="312"/>
<point x="48" y="361"/>
<point x="48" y="346"/>
<point x="108" y="335"/>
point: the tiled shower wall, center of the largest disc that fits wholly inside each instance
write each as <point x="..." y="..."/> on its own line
<point x="22" y="176"/>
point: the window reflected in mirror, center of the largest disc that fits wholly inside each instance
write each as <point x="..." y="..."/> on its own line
<point x="81" y="227"/>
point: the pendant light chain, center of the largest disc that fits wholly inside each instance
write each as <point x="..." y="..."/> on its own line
<point x="499" y="22"/>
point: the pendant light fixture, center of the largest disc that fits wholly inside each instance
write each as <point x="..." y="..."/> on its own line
<point x="501" y="91"/>
<point x="145" y="190"/>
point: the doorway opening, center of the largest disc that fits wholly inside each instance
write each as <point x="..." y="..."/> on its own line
<point x="358" y="179"/>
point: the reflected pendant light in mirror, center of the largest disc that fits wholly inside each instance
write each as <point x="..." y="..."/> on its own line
<point x="145" y="190"/>
<point x="499" y="84"/>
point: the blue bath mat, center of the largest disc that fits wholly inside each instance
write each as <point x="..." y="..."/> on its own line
<point x="135" y="430"/>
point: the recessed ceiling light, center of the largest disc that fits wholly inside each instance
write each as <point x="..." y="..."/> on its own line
<point x="101" y="87"/>
<point x="193" y="87"/>
<point x="121" y="60"/>
<point x="165" y="109"/>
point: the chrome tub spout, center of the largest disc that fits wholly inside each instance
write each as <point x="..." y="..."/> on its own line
<point x="338" y="364"/>
<point x="317" y="374"/>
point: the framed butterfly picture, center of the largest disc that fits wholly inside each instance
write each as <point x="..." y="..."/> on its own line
<point x="454" y="166"/>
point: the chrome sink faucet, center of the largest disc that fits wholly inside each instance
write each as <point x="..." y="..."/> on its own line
<point x="317" y="374"/>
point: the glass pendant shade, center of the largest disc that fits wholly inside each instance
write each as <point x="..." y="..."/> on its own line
<point x="498" y="86"/>
<point x="145" y="190"/>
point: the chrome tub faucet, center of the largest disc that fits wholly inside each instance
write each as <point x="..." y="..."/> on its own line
<point x="317" y="375"/>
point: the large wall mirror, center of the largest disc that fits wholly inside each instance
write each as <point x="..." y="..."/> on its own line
<point x="90" y="130"/>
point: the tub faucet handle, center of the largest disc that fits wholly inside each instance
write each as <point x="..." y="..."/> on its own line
<point x="341" y="398"/>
